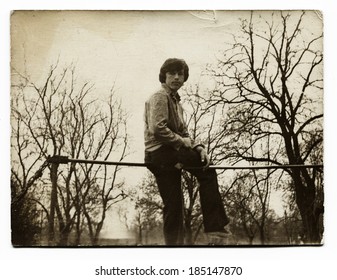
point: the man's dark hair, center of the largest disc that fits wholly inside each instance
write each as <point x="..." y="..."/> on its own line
<point x="172" y="65"/>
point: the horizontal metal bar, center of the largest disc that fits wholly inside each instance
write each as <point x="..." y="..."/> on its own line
<point x="107" y="162"/>
<point x="65" y="160"/>
<point x="286" y="166"/>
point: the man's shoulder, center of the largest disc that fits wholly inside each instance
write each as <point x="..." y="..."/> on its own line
<point x="160" y="93"/>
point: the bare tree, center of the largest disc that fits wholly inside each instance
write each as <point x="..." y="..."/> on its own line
<point x="271" y="80"/>
<point x="249" y="204"/>
<point x="62" y="117"/>
<point x="148" y="210"/>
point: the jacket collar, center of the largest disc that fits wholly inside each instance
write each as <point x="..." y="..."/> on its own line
<point x="175" y="95"/>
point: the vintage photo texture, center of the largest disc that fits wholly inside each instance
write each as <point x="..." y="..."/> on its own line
<point x="254" y="98"/>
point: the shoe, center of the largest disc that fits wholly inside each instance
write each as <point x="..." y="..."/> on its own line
<point x="218" y="237"/>
<point x="224" y="233"/>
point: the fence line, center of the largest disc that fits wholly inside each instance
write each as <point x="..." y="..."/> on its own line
<point x="65" y="160"/>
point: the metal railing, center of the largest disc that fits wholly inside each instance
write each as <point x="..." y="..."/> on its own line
<point x="66" y="160"/>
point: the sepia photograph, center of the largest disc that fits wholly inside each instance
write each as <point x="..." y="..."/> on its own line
<point x="162" y="128"/>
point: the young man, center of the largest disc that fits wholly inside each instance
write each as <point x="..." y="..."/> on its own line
<point x="168" y="147"/>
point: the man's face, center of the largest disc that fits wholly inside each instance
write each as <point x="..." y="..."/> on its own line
<point x="175" y="79"/>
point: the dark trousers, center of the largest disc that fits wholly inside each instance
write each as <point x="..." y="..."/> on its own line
<point x="161" y="163"/>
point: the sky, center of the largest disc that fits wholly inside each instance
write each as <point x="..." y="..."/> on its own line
<point x="124" y="49"/>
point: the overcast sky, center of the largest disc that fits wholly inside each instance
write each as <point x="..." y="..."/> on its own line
<point x="122" y="47"/>
<point x="125" y="48"/>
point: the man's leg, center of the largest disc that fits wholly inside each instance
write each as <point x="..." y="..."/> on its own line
<point x="169" y="184"/>
<point x="214" y="215"/>
<point x="215" y="218"/>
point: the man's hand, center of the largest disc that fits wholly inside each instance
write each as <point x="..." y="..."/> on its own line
<point x="204" y="157"/>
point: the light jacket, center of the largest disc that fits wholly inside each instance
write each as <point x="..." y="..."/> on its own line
<point x="164" y="122"/>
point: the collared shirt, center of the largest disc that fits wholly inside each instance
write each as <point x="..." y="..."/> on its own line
<point x="164" y="122"/>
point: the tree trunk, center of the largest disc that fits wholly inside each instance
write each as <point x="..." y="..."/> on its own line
<point x="305" y="200"/>
<point x="64" y="236"/>
<point x="262" y="235"/>
<point x="53" y="202"/>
